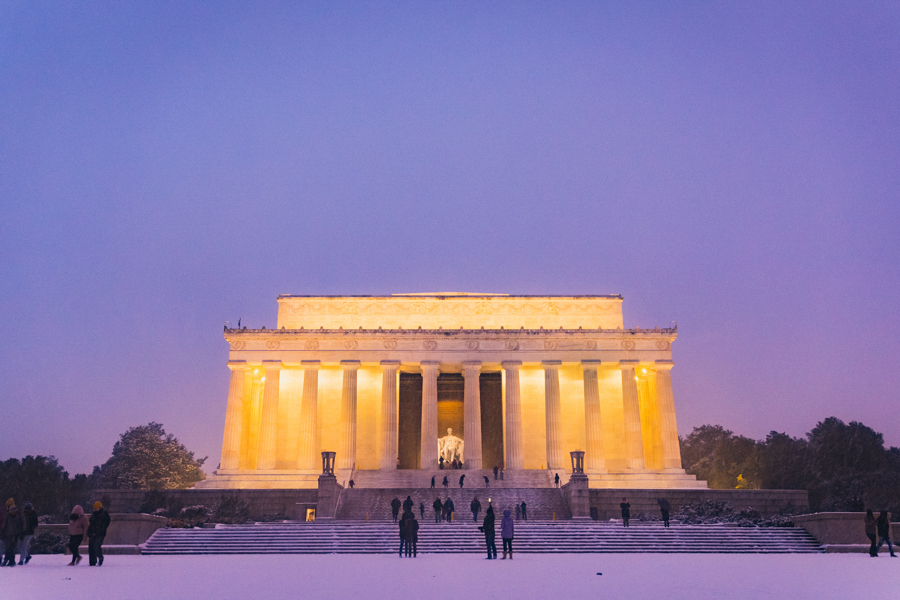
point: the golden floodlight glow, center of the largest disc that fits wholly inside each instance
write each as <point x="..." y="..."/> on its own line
<point x="256" y="371"/>
<point x="644" y="370"/>
<point x="262" y="378"/>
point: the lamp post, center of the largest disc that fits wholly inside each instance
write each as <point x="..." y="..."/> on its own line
<point x="328" y="463"/>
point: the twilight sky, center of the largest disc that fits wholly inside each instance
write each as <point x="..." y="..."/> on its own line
<point x="166" y="167"/>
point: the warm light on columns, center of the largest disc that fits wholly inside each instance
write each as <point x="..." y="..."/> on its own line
<point x="346" y="457"/>
<point x="513" y="430"/>
<point x="308" y="453"/>
<point x="553" y="413"/>
<point x="593" y="424"/>
<point x="388" y="438"/>
<point x="634" y="444"/>
<point x="472" y="415"/>
<point x="268" y="431"/>
<point x="428" y="453"/>
<point x="234" y="415"/>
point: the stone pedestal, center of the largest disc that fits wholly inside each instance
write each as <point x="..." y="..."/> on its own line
<point x="578" y="496"/>
<point x="327" y="497"/>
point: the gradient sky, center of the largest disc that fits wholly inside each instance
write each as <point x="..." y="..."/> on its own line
<point x="168" y="166"/>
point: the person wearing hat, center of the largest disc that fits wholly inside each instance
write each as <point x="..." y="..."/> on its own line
<point x="99" y="523"/>
<point x="78" y="524"/>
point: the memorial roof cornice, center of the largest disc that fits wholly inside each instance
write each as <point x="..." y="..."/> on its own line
<point x="656" y="331"/>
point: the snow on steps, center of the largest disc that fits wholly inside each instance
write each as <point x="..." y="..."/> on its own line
<point x="347" y="537"/>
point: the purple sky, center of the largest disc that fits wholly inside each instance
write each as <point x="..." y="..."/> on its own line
<point x="165" y="167"/>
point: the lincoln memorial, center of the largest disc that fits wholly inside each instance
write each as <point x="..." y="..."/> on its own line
<point x="400" y="386"/>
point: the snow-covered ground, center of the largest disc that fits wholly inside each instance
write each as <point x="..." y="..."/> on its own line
<point x="459" y="577"/>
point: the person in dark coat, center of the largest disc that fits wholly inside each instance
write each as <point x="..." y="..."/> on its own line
<point x="507" y="528"/>
<point x="556" y="480"/>
<point x="441" y="463"/>
<point x="487" y="482"/>
<point x="883" y="525"/>
<point x="496" y="471"/>
<point x="12" y="531"/>
<point x="29" y="516"/>
<point x="462" y="480"/>
<point x="98" y="524"/>
<point x="402" y="533"/>
<point x="412" y="535"/>
<point x="487" y="527"/>
<point x="395" y="508"/>
<point x="871" y="531"/>
<point x="524" y="514"/>
<point x="475" y="507"/>
<point x="626" y="511"/>
<point x="432" y="483"/>
<point x="446" y="482"/>
<point x="664" y="508"/>
<point x="408" y="504"/>
<point x="438" y="507"/>
<point x="518" y="512"/>
<point x="449" y="508"/>
<point x="422" y="510"/>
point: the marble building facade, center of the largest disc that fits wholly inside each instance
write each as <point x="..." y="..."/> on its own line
<point x="520" y="380"/>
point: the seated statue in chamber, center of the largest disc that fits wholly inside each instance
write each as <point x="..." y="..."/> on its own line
<point x="450" y="448"/>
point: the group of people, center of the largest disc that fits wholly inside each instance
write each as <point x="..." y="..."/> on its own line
<point x="17" y="530"/>
<point x="454" y="464"/>
<point x="409" y="530"/>
<point x="878" y="528"/>
<point x="664" y="508"/>
<point x="507" y="530"/>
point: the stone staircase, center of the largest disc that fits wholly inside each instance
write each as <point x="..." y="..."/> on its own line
<point x="373" y="537"/>
<point x="375" y="503"/>
<point x="411" y="478"/>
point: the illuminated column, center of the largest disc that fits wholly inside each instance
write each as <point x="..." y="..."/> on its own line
<point x="388" y="435"/>
<point x="472" y="415"/>
<point x="646" y="385"/>
<point x="513" y="415"/>
<point x="268" y="430"/>
<point x="668" y="428"/>
<point x="634" y="445"/>
<point x="234" y="416"/>
<point x="553" y="413"/>
<point x="428" y="451"/>
<point x="592" y="421"/>
<point x="250" y="439"/>
<point x="309" y="404"/>
<point x="346" y="458"/>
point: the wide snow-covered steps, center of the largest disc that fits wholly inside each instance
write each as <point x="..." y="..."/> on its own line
<point x="463" y="536"/>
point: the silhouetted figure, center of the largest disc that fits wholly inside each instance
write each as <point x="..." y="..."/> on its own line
<point x="438" y="510"/>
<point x="29" y="516"/>
<point x="556" y="480"/>
<point x="507" y="529"/>
<point x="98" y="524"/>
<point x="518" y="512"/>
<point x="78" y="524"/>
<point x="12" y="529"/>
<point x="475" y="506"/>
<point x="441" y="463"/>
<point x="432" y="483"/>
<point x="422" y="510"/>
<point x="412" y="535"/>
<point x="871" y="531"/>
<point x="626" y="511"/>
<point x="462" y="480"/>
<point x="395" y="508"/>
<point x="487" y="482"/>
<point x="524" y="514"/>
<point x="351" y="483"/>
<point x="448" y="509"/>
<point x="446" y="482"/>
<point x="496" y="472"/>
<point x="408" y="504"/>
<point x="403" y="520"/>
<point x="664" y="508"/>
<point x="487" y="527"/>
<point x="501" y="473"/>
<point x="884" y="532"/>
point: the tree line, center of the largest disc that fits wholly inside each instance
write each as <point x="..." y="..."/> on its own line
<point x="843" y="466"/>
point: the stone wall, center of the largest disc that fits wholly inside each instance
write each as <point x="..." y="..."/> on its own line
<point x="767" y="502"/>
<point x="839" y="531"/>
<point x="292" y="503"/>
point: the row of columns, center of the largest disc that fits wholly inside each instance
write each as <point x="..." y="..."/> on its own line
<point x="647" y="404"/>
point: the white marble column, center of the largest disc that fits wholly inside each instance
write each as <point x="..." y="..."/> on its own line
<point x="268" y="429"/>
<point x="553" y="413"/>
<point x="671" y="450"/>
<point x="649" y="417"/>
<point x="513" y="445"/>
<point x="594" y="460"/>
<point x="388" y="435"/>
<point x="308" y="454"/>
<point x="428" y="451"/>
<point x="234" y="417"/>
<point x="472" y="415"/>
<point x="634" y="444"/>
<point x="250" y="439"/>
<point x="346" y="458"/>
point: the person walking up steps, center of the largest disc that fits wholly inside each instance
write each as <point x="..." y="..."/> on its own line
<point x="31" y="522"/>
<point x="446" y="482"/>
<point x="96" y="532"/>
<point x="487" y="482"/>
<point x="438" y="510"/>
<point x="524" y="514"/>
<point x="507" y="528"/>
<point x="432" y="483"/>
<point x="78" y="524"/>
<point x="626" y="511"/>
<point x="556" y="480"/>
<point x="449" y="508"/>
<point x="475" y="506"/>
<point x="871" y="531"/>
<point x="395" y="508"/>
<point x="462" y="480"/>
<point x="518" y="512"/>
<point x="422" y="510"/>
<point x="408" y="504"/>
<point x="664" y="508"/>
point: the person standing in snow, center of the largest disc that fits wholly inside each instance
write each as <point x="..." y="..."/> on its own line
<point x="29" y="516"/>
<point x="78" y="525"/>
<point x="403" y="533"/>
<point x="524" y="514"/>
<point x="438" y="510"/>
<point x="412" y="535"/>
<point x="626" y="511"/>
<point x="884" y="532"/>
<point x="96" y="532"/>
<point x="507" y="528"/>
<point x="13" y="528"/>
<point x="664" y="508"/>
<point x="475" y="506"/>
<point x="449" y="508"/>
<point x="395" y="508"/>
<point x="487" y="527"/>
<point x="871" y="531"/>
